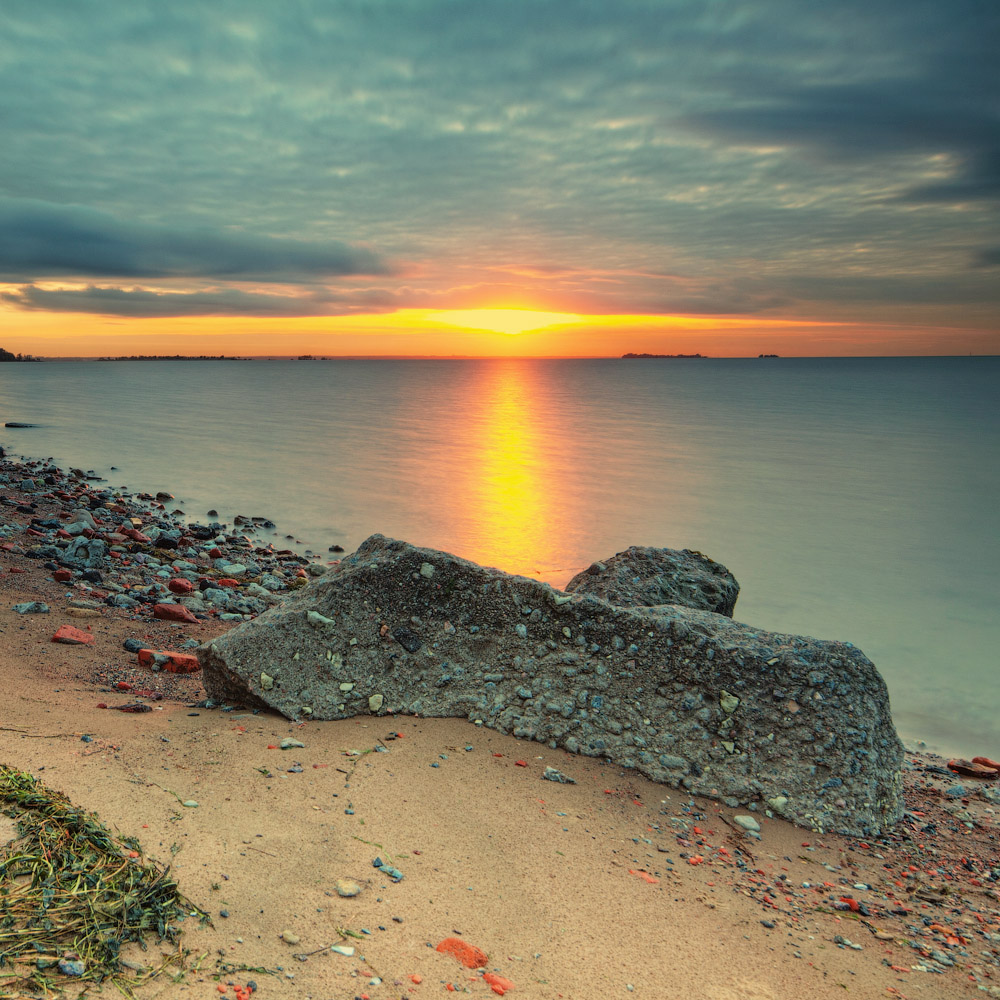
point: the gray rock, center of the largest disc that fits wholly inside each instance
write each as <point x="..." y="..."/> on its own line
<point x="747" y="823"/>
<point x="84" y="517"/>
<point x="646" y="577"/>
<point x="31" y="608"/>
<point x="86" y="553"/>
<point x="71" y="967"/>
<point x="642" y="690"/>
<point x="554" y="774"/>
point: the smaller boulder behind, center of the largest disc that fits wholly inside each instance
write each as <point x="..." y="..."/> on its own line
<point x="642" y="576"/>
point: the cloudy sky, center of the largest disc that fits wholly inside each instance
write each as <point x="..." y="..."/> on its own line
<point x="367" y="176"/>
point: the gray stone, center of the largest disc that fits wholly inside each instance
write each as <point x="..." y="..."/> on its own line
<point x="83" y="516"/>
<point x="347" y="887"/>
<point x="31" y="608"/>
<point x="554" y="774"/>
<point x="646" y="577"/>
<point x="747" y="823"/>
<point x="86" y="553"/>
<point x="428" y="645"/>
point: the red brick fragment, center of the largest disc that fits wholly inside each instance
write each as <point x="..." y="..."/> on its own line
<point x="178" y="585"/>
<point x="169" y="660"/>
<point x="62" y="575"/>
<point x="468" y="954"/>
<point x="173" y="613"/>
<point x="498" y="984"/>
<point x="72" y="636"/>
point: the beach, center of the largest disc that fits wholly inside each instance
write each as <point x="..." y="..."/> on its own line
<point x="610" y="886"/>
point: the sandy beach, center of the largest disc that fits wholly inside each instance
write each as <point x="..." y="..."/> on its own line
<point x="612" y="886"/>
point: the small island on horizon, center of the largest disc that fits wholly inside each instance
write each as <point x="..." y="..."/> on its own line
<point x="632" y="356"/>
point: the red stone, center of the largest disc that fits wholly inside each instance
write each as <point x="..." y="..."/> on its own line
<point x="227" y="581"/>
<point x="215" y="553"/>
<point x="63" y="533"/>
<point x="177" y="663"/>
<point x="173" y="613"/>
<point x="136" y="536"/>
<point x="73" y="636"/>
<point x="62" y="575"/>
<point x="178" y="585"/>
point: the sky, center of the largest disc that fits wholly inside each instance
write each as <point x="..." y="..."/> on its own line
<point x="477" y="177"/>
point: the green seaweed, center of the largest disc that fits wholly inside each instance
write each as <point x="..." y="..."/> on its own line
<point x="70" y="886"/>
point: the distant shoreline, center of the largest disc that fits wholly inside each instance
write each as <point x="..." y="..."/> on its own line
<point x="643" y="357"/>
<point x="505" y="357"/>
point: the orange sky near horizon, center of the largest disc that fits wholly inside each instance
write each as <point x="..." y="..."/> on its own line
<point x="474" y="333"/>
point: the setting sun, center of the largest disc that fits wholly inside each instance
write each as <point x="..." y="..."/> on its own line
<point x="502" y="320"/>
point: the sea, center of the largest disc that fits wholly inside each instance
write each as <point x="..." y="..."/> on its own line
<point x="852" y="498"/>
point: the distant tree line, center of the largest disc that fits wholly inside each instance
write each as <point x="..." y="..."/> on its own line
<point x="7" y="356"/>
<point x="170" y="357"/>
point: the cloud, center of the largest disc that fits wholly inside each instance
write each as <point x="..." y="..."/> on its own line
<point x="988" y="257"/>
<point x="574" y="149"/>
<point x="39" y="240"/>
<point x="111" y="301"/>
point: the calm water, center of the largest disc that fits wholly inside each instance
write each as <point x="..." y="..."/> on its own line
<point x="852" y="498"/>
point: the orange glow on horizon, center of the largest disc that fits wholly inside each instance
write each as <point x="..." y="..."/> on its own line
<point x="486" y="332"/>
<point x="509" y="321"/>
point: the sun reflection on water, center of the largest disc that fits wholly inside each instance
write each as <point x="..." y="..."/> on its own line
<point x="510" y="493"/>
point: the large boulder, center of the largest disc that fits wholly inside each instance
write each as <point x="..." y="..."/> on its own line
<point x="644" y="577"/>
<point x="686" y="697"/>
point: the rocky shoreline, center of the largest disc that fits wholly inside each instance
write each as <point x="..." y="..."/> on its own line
<point x="913" y="911"/>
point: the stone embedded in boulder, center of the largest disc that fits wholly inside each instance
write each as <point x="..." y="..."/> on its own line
<point x="686" y="697"/>
<point x="646" y="577"/>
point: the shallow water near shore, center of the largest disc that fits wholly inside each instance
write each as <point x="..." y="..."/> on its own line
<point x="852" y="498"/>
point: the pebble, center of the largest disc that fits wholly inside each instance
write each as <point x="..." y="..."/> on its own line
<point x="552" y="774"/>
<point x="747" y="823"/>
<point x="846" y="942"/>
<point x="288" y="744"/>
<point x="71" y="967"/>
<point x="290" y="937"/>
<point x="32" y="608"/>
<point x="347" y="887"/>
<point x="342" y="949"/>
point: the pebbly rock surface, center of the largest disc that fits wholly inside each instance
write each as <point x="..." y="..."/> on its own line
<point x="689" y="698"/>
<point x="644" y="577"/>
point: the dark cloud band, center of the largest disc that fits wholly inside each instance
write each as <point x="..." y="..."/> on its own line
<point x="40" y="240"/>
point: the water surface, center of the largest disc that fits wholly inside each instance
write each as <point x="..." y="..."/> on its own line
<point x="852" y="498"/>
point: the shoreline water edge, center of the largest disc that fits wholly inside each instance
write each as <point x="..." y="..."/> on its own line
<point x="104" y="697"/>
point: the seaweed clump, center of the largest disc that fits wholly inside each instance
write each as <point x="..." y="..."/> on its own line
<point x="72" y="894"/>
